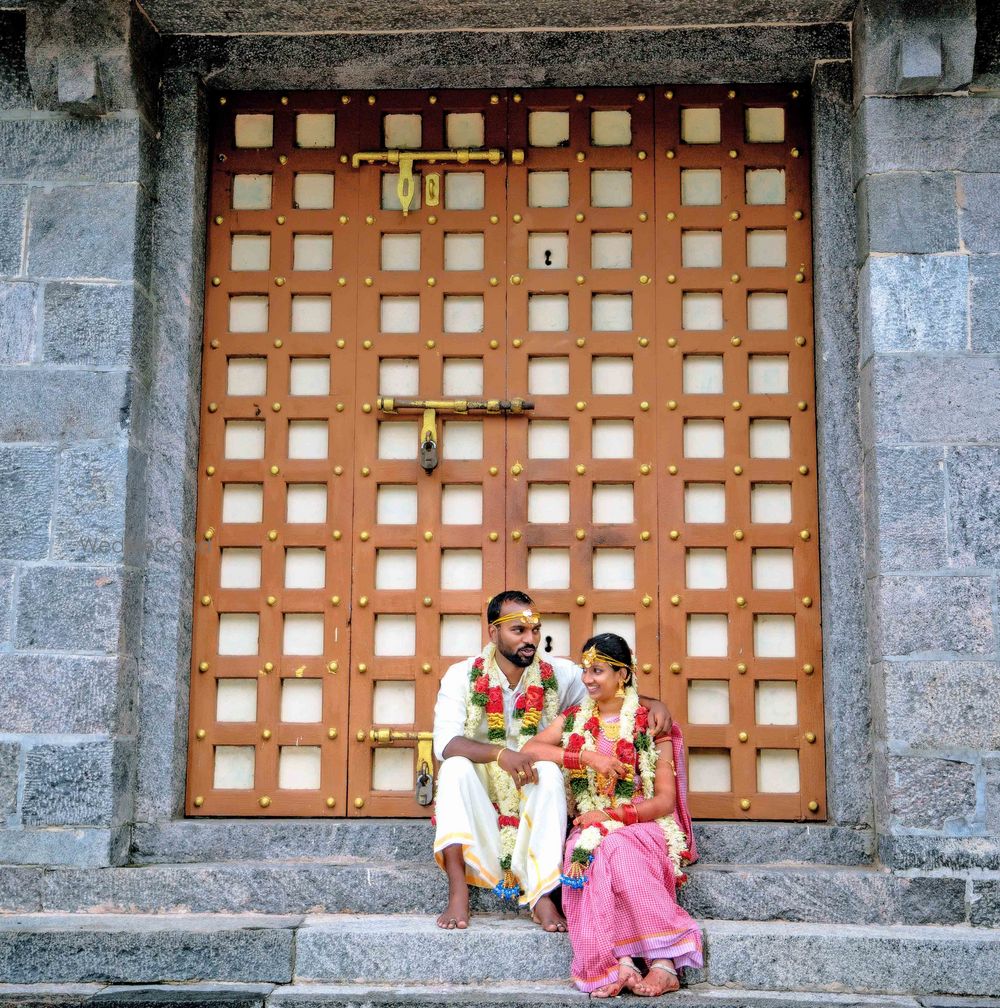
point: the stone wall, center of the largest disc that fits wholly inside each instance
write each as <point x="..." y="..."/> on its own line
<point x="76" y="138"/>
<point x="927" y="173"/>
<point x="99" y="329"/>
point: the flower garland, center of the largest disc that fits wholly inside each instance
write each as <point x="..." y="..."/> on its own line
<point x="635" y="747"/>
<point x="540" y="699"/>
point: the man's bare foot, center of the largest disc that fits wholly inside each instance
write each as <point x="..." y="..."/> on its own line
<point x="456" y="913"/>
<point x="544" y="912"/>
<point x="659" y="980"/>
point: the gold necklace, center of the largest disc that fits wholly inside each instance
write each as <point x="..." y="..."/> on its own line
<point x="612" y="730"/>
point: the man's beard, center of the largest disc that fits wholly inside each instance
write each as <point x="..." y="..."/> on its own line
<point x="515" y="658"/>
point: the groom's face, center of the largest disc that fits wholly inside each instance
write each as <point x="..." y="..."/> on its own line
<point x="516" y="639"/>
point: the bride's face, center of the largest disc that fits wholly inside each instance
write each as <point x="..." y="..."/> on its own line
<point x="602" y="681"/>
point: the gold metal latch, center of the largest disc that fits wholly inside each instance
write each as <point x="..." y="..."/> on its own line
<point x="424" y="784"/>
<point x="431" y="407"/>
<point x="406" y="158"/>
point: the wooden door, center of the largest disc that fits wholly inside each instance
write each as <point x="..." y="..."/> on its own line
<point x="641" y="275"/>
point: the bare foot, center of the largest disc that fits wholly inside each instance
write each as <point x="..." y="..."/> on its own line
<point x="609" y="990"/>
<point x="456" y="913"/>
<point x="545" y="913"/>
<point x="628" y="974"/>
<point x="656" y="982"/>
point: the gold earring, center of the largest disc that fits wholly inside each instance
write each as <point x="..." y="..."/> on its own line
<point x="620" y="692"/>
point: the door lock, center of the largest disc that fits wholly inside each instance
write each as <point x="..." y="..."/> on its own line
<point x="428" y="428"/>
<point x="405" y="159"/>
<point x="424" y="783"/>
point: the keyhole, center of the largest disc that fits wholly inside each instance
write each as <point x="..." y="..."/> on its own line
<point x="548" y="640"/>
<point x="548" y="262"/>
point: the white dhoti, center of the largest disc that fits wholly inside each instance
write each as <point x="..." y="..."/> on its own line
<point x="465" y="815"/>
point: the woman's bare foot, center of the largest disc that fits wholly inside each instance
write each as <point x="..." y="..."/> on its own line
<point x="628" y="973"/>
<point x="661" y="979"/>
<point x="456" y="913"/>
<point x="609" y="990"/>
<point x="544" y="912"/>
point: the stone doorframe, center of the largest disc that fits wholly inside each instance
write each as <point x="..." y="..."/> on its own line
<point x="817" y="56"/>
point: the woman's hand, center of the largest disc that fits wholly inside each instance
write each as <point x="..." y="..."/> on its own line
<point x="590" y="819"/>
<point x="606" y="765"/>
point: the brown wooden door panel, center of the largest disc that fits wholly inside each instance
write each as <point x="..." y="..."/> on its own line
<point x="643" y="273"/>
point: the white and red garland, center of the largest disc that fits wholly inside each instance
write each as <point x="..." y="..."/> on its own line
<point x="539" y="700"/>
<point x="636" y="748"/>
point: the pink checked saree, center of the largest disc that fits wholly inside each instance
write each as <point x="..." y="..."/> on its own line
<point x="628" y="906"/>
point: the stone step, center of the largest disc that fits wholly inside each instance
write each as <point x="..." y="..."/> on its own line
<point x="117" y="948"/>
<point x="201" y="840"/>
<point x="544" y="995"/>
<point x="336" y="885"/>
<point x="743" y="954"/>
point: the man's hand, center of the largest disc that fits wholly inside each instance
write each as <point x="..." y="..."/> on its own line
<point x="520" y="767"/>
<point x="590" y="819"/>
<point x="660" y="721"/>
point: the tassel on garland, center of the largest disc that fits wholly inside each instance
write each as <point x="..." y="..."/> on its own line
<point x="575" y="878"/>
<point x="508" y="887"/>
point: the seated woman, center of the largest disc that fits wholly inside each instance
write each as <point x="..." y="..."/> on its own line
<point x="630" y="837"/>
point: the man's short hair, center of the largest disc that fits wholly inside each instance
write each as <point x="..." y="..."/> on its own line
<point x="501" y="598"/>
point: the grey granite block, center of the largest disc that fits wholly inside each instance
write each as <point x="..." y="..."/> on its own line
<point x="15" y="88"/>
<point x="10" y="757"/>
<point x="18" y="322"/>
<point x="926" y="853"/>
<point x="822" y="894"/>
<point x="984" y="303"/>
<point x="72" y="609"/>
<point x="916" y="303"/>
<point x="79" y="847"/>
<point x="943" y="133"/>
<point x="907" y="49"/>
<point x="927" y="399"/>
<point x="935" y="616"/>
<point x="27" y="487"/>
<point x="193" y="995"/>
<point x="931" y="794"/>
<point x="72" y="784"/>
<point x="973" y="506"/>
<point x="6" y="603"/>
<point x="174" y="17"/>
<point x="907" y="212"/>
<point x="907" y="496"/>
<point x="991" y="773"/>
<point x="766" y="843"/>
<point x="985" y="903"/>
<point x="44" y="995"/>
<point x="89" y="519"/>
<point x="979" y="198"/>
<point x="82" y="695"/>
<point x="950" y="960"/>
<point x="71" y="150"/>
<point x="67" y="949"/>
<point x="21" y="890"/>
<point x="84" y="232"/>
<point x="88" y="324"/>
<point x="396" y="949"/>
<point x="13" y="223"/>
<point x="943" y="704"/>
<point x="40" y="405"/>
<point x="526" y="58"/>
<point x="489" y="994"/>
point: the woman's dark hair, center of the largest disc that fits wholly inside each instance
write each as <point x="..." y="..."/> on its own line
<point x="511" y="595"/>
<point x="614" y="647"/>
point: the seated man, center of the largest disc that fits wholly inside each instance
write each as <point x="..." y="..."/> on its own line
<point x="501" y="818"/>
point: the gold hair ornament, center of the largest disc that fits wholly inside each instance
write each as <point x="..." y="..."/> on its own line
<point x="526" y="616"/>
<point x="592" y="655"/>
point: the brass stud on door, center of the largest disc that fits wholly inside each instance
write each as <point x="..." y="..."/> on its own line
<point x="807" y="601"/>
<point x="203" y="666"/>
<point x="738" y="535"/>
<point x="428" y="536"/>
<point x="745" y="804"/>
<point x="805" y="535"/>
<point x="743" y="736"/>
<point x="581" y="534"/>
<point x="274" y="470"/>
<point x="581" y="600"/>
<point x="675" y="667"/>
<point x="738" y="470"/>
<point x="741" y="601"/>
<point x="428" y="601"/>
<point x="647" y="668"/>
<point x="581" y="470"/>
<point x="675" y="600"/>
<point x="198" y="801"/>
<point x="803" y="470"/>
<point x="674" y="535"/>
<point x="426" y="668"/>
<point x="206" y="600"/>
<point x="810" y="737"/>
<point x="263" y="801"/>
<point x="359" y="803"/>
<point x="200" y="734"/>
<point x="331" y="802"/>
<point x="647" y="601"/>
<point x="813" y="806"/>
<point x="362" y="668"/>
<point x="266" y="734"/>
<point x="494" y="536"/>
<point x="516" y="535"/>
<point x="808" y="668"/>
<point x="741" y="667"/>
<point x="333" y="667"/>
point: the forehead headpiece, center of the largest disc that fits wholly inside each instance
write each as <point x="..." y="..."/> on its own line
<point x="526" y="616"/>
<point x="591" y="656"/>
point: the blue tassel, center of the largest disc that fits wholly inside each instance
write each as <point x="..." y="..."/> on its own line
<point x="507" y="892"/>
<point x="573" y="883"/>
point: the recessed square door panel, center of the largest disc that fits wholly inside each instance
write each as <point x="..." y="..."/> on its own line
<point x="457" y="341"/>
